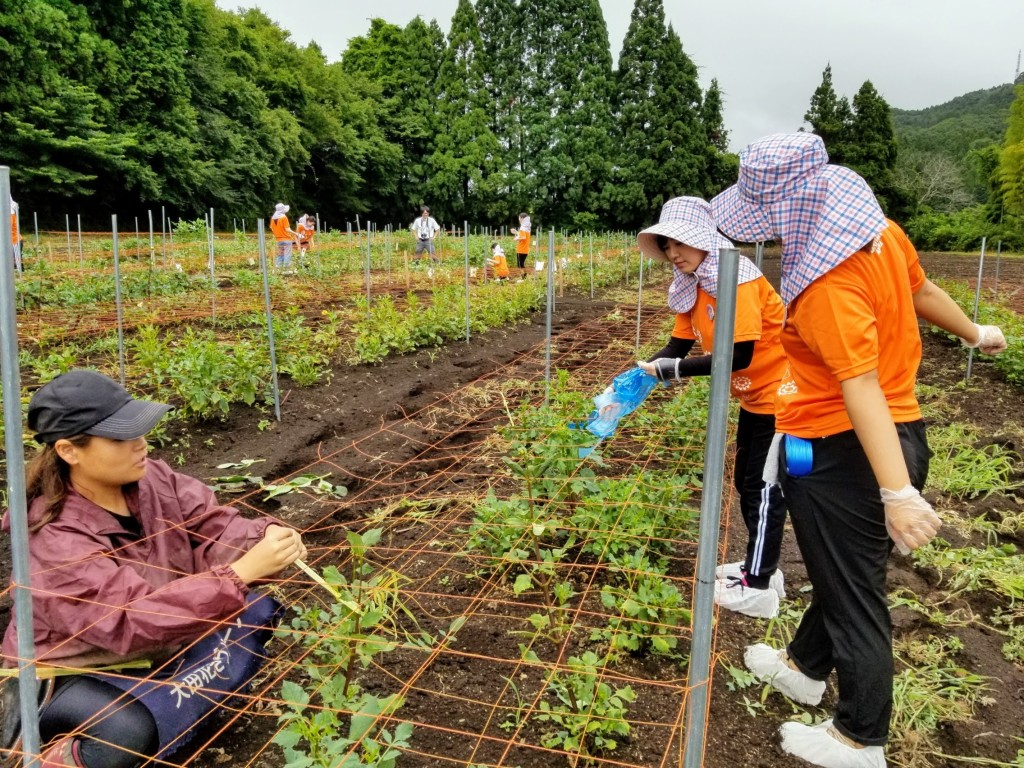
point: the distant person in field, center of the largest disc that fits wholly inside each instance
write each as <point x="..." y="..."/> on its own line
<point x="498" y="263"/>
<point x="16" y="238"/>
<point x="306" y="229"/>
<point x="284" y="235"/>
<point x="130" y="560"/>
<point x="853" y="455"/>
<point x="425" y="229"/>
<point x="523" y="239"/>
<point x="686" y="237"/>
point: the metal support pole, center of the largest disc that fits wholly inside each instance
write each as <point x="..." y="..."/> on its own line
<point x="270" y="317"/>
<point x="999" y="252"/>
<point x="81" y="256"/>
<point x="367" y="269"/>
<point x="639" y="299"/>
<point x="117" y="298"/>
<point x="465" y="232"/>
<point x="213" y="275"/>
<point x="163" y="233"/>
<point x="67" y="226"/>
<point x="16" y="503"/>
<point x="711" y="509"/>
<point x="977" y="300"/>
<point x="550" y="302"/>
<point x="152" y="249"/>
<point x="758" y="254"/>
<point x="591" y="265"/>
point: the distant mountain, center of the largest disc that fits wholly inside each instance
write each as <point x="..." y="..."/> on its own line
<point x="973" y="120"/>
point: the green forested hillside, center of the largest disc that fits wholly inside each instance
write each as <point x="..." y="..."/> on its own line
<point x="967" y="122"/>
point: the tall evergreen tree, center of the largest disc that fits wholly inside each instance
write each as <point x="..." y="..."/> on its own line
<point x="829" y="117"/>
<point x="871" y="147"/>
<point x="501" y="34"/>
<point x="685" y="151"/>
<point x="567" y="109"/>
<point x="643" y="143"/>
<point x="722" y="166"/>
<point x="462" y="164"/>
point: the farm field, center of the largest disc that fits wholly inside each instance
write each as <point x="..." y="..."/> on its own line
<point x="503" y="571"/>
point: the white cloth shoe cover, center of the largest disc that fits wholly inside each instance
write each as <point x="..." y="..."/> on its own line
<point x="767" y="665"/>
<point x="733" y="595"/>
<point x="819" y="747"/>
<point x="777" y="581"/>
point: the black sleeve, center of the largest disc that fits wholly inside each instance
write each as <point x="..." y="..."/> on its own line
<point x="742" y="355"/>
<point x="676" y="347"/>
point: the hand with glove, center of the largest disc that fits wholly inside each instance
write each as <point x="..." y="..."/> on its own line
<point x="990" y="340"/>
<point x="910" y="519"/>
<point x="665" y="369"/>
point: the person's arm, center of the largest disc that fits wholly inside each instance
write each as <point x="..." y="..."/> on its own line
<point x="674" y="368"/>
<point x="909" y="518"/>
<point x="676" y="347"/>
<point x="933" y="304"/>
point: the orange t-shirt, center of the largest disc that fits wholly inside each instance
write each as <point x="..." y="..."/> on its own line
<point x="858" y="317"/>
<point x="305" y="233"/>
<point x="523" y="241"/>
<point x="15" y="234"/>
<point x="759" y="315"/>
<point x="279" y="227"/>
<point x="500" y="265"/>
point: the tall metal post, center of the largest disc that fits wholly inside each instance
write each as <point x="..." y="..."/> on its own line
<point x="16" y="503"/>
<point x="591" y="265"/>
<point x="117" y="298"/>
<point x="550" y="302"/>
<point x="465" y="233"/>
<point x="213" y="275"/>
<point x="67" y="226"/>
<point x="163" y="233"/>
<point x="999" y="252"/>
<point x="367" y="269"/>
<point x="639" y="299"/>
<point x="81" y="255"/>
<point x="270" y="317"/>
<point x="977" y="301"/>
<point x="152" y="250"/>
<point x="711" y="509"/>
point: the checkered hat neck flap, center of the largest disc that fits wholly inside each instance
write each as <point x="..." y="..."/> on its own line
<point x="822" y="213"/>
<point x="688" y="220"/>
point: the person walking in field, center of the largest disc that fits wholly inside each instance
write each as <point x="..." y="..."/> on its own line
<point x="523" y="239"/>
<point x="130" y="560"/>
<point x="425" y="229"/>
<point x="686" y="237"/>
<point x="284" y="236"/>
<point x="853" y="455"/>
<point x="16" y="238"/>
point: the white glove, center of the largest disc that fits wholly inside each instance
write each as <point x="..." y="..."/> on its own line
<point x="909" y="519"/>
<point x="990" y="340"/>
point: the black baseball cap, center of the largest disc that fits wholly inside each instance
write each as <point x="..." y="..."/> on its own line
<point x="83" y="402"/>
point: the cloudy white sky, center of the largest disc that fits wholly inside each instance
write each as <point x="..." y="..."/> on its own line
<point x="768" y="55"/>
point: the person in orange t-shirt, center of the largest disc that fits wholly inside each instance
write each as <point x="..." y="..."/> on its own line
<point x="284" y="235"/>
<point x="523" y="239"/>
<point x="498" y="262"/>
<point x="15" y="235"/>
<point x="305" y="229"/>
<point x="687" y="238"/>
<point x="853" y="454"/>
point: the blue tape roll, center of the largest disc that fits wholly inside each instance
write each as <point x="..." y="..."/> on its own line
<point x="799" y="456"/>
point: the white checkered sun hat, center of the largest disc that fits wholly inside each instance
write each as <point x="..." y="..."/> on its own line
<point x="787" y="190"/>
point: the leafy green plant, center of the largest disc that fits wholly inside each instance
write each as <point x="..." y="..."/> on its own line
<point x="960" y="468"/>
<point x="997" y="569"/>
<point x="588" y="715"/>
<point x="353" y="630"/>
<point x="318" y="484"/>
<point x="647" y="612"/>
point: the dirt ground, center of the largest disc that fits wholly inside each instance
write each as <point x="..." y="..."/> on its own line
<point x="397" y="431"/>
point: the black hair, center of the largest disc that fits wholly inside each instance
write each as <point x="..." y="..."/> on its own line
<point x="662" y="241"/>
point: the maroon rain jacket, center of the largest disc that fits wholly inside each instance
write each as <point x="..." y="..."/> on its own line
<point x="100" y="596"/>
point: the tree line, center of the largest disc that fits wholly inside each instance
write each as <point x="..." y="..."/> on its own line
<point x="114" y="107"/>
<point x="107" y="107"/>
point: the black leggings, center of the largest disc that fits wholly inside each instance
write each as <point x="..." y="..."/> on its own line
<point x="113" y="727"/>
<point x="521" y="259"/>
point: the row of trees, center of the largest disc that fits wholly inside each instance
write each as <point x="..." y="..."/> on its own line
<point x="108" y="106"/>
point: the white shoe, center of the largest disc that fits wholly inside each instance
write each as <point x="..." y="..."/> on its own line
<point x="733" y="595"/>
<point x="818" y="746"/>
<point x="776" y="581"/>
<point x="768" y="665"/>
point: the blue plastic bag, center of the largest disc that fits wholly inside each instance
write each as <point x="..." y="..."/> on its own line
<point x="627" y="391"/>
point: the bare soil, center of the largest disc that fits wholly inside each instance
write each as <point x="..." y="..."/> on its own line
<point x="402" y="431"/>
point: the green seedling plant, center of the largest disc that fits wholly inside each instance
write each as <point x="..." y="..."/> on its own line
<point x="348" y="634"/>
<point x="647" y="611"/>
<point x="318" y="484"/>
<point x="961" y="469"/>
<point x="996" y="569"/>
<point x="587" y="715"/>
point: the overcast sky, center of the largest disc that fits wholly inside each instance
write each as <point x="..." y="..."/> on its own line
<point x="768" y="55"/>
